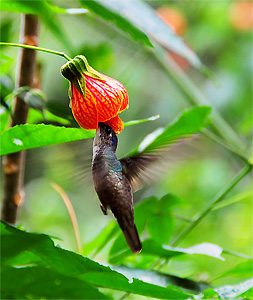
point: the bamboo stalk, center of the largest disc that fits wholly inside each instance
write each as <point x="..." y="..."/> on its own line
<point x="13" y="164"/>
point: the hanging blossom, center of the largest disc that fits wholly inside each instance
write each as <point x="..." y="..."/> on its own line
<point x="94" y="97"/>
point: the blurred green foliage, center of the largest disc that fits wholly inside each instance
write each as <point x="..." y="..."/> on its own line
<point x="195" y="175"/>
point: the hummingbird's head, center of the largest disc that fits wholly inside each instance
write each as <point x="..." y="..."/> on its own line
<point x="105" y="136"/>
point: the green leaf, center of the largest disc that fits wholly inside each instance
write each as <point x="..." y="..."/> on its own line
<point x="119" y="282"/>
<point x="23" y="6"/>
<point x="102" y="239"/>
<point x="210" y="294"/>
<point x="20" y="249"/>
<point x="143" y="211"/>
<point x="120" y="251"/>
<point x="43" y="283"/>
<point x="4" y="117"/>
<point x="115" y="17"/>
<point x="154" y="248"/>
<point x="160" y="224"/>
<point x="234" y="199"/>
<point x="46" y="13"/>
<point x="246" y="295"/>
<point x="60" y="110"/>
<point x="170" y="200"/>
<point x="5" y="57"/>
<point x="160" y="278"/>
<point x="34" y="258"/>
<point x="132" y="14"/>
<point x="36" y="99"/>
<point x="189" y="122"/>
<point x="160" y="228"/>
<point x="6" y="85"/>
<point x="20" y="91"/>
<point x="6" y="29"/>
<point x="27" y="136"/>
<point x="243" y="269"/>
<point x="236" y="254"/>
<point x="35" y="117"/>
<point x="134" y="122"/>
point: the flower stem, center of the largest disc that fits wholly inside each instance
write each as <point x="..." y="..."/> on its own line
<point x="216" y="200"/>
<point x="62" y="54"/>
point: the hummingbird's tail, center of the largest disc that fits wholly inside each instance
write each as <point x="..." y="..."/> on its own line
<point x="132" y="238"/>
<point x="126" y="223"/>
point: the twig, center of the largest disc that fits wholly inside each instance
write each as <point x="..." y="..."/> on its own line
<point x="13" y="164"/>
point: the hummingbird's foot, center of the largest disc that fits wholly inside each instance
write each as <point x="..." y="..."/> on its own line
<point x="104" y="210"/>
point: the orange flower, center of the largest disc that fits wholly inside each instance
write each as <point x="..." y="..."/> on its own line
<point x="241" y="16"/>
<point x="94" y="96"/>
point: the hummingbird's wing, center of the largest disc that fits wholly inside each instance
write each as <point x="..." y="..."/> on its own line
<point x="137" y="169"/>
<point x="155" y="149"/>
<point x="149" y="164"/>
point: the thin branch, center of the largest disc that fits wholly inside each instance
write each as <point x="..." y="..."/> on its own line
<point x="13" y="164"/>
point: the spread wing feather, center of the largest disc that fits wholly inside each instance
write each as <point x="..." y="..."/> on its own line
<point x="148" y="165"/>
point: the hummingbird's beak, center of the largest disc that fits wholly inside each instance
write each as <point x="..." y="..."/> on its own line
<point x="97" y="137"/>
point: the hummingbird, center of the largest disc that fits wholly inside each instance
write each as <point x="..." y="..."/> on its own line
<point x="114" y="181"/>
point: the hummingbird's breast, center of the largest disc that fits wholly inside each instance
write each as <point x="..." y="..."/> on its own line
<point x="111" y="185"/>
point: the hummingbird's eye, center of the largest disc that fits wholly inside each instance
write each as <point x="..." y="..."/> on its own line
<point x="108" y="130"/>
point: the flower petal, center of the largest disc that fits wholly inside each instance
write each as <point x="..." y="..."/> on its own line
<point x="84" y="110"/>
<point x="110" y="96"/>
<point x="94" y="96"/>
<point x="116" y="124"/>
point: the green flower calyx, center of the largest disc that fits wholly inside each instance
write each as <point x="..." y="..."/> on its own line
<point x="75" y="70"/>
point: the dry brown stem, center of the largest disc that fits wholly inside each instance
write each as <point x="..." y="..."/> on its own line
<point x="13" y="164"/>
